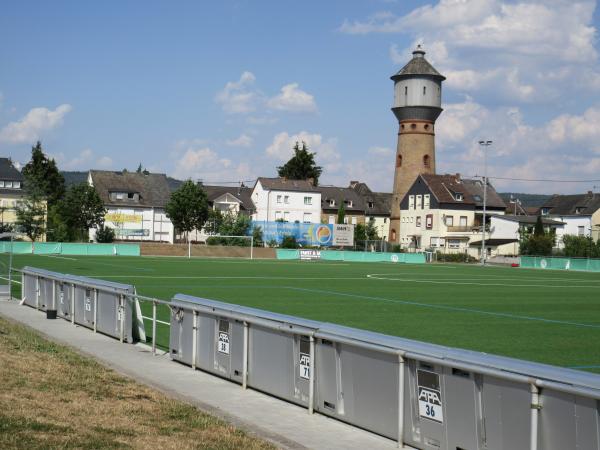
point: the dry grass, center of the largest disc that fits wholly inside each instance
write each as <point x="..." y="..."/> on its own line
<point x="51" y="397"/>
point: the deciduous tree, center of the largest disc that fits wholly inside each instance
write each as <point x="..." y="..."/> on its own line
<point x="188" y="208"/>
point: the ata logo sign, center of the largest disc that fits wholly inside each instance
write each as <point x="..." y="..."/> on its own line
<point x="430" y="396"/>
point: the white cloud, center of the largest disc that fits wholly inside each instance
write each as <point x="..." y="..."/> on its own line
<point x="380" y="151"/>
<point x="239" y="97"/>
<point x="203" y="163"/>
<point x="243" y="141"/>
<point x="242" y="97"/>
<point x="85" y="160"/>
<point x="292" y="98"/>
<point x="36" y="121"/>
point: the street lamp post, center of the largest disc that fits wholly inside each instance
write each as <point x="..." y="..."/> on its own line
<point x="484" y="145"/>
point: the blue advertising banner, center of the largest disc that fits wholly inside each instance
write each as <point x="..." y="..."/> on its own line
<point x="313" y="234"/>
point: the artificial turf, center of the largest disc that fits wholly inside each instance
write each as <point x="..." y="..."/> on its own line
<point x="546" y="316"/>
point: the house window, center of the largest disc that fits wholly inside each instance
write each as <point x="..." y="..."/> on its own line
<point x="579" y="210"/>
<point x="307" y="218"/>
<point x="411" y="219"/>
<point x="346" y="220"/>
<point x="418" y="221"/>
<point x="8" y="184"/>
<point x="1" y="183"/>
<point x="411" y="202"/>
<point x="426" y="200"/>
<point x="119" y="195"/>
<point x="331" y="220"/>
<point x="453" y="243"/>
<point x="580" y="231"/>
<point x="449" y="221"/>
<point x="331" y="202"/>
<point x="286" y="216"/>
<point x="286" y="199"/>
<point x="399" y="161"/>
<point x="308" y="200"/>
<point x="350" y="204"/>
<point x="17" y="184"/>
<point x="130" y="195"/>
<point x="370" y="204"/>
<point x="463" y="221"/>
<point x="429" y="221"/>
<point x="385" y="220"/>
<point x="279" y="199"/>
<point x="426" y="161"/>
<point x="545" y="211"/>
<point x="458" y="196"/>
<point x="277" y="215"/>
<point x="419" y="204"/>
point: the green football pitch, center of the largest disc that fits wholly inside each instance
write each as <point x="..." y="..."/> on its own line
<point x="545" y="316"/>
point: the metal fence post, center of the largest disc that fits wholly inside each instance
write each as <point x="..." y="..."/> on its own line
<point x="400" y="401"/>
<point x="195" y="339"/>
<point x="154" y="327"/>
<point x="245" y="358"/>
<point x="535" y="409"/>
<point x="54" y="294"/>
<point x="311" y="377"/>
<point x="73" y="303"/>
<point x="95" y="308"/>
<point x="121" y="317"/>
<point x="37" y="293"/>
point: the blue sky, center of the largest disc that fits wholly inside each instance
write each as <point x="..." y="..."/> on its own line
<point x="219" y="91"/>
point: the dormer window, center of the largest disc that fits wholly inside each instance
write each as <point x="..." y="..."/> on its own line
<point x="370" y="204"/>
<point x="458" y="197"/>
<point x="579" y="209"/>
<point x="331" y="202"/>
<point x="545" y="211"/>
<point x="349" y="203"/>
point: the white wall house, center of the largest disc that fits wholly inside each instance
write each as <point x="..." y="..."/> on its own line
<point x="135" y="204"/>
<point x="444" y="213"/>
<point x="288" y="200"/>
<point x="579" y="212"/>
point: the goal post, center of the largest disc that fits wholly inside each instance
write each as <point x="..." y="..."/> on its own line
<point x="231" y="246"/>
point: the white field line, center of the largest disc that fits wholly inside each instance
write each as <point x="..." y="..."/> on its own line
<point x="247" y="261"/>
<point x="183" y="277"/>
<point x="492" y="277"/>
<point x="473" y="283"/>
<point x="58" y="257"/>
<point x="157" y="321"/>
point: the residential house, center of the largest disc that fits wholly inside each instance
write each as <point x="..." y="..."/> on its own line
<point x="135" y="204"/>
<point x="286" y="200"/>
<point x="445" y="212"/>
<point x="11" y="191"/>
<point x="580" y="213"/>
<point x="378" y="207"/>
<point x="506" y="232"/>
<point x="333" y="197"/>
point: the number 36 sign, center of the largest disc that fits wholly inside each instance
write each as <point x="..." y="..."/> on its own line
<point x="430" y="396"/>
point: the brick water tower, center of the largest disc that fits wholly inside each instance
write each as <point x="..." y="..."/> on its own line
<point x="417" y="105"/>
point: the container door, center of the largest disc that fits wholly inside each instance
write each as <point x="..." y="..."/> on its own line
<point x="63" y="302"/>
<point x="302" y="365"/>
<point x="88" y="307"/>
<point x="223" y="347"/>
<point x="428" y="412"/>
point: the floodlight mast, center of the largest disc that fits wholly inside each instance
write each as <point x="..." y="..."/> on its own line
<point x="484" y="145"/>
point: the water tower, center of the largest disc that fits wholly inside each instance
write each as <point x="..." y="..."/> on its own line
<point x="417" y="105"/>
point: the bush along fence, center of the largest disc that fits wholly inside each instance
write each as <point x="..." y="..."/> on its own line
<point x="560" y="263"/>
<point x="69" y="248"/>
<point x="423" y="395"/>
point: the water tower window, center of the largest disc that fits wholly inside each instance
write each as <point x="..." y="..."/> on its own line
<point x="424" y="90"/>
<point x="399" y="161"/>
<point x="413" y="126"/>
<point x="426" y="126"/>
<point x="426" y="161"/>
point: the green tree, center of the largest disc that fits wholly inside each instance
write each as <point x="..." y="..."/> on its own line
<point x="31" y="217"/>
<point x="105" y="234"/>
<point x="539" y="227"/>
<point x="371" y="230"/>
<point x="230" y="224"/>
<point x="58" y="230"/>
<point x="537" y="245"/>
<point x="257" y="236"/>
<point x="301" y="166"/>
<point x="341" y="214"/>
<point x="42" y="178"/>
<point x="82" y="209"/>
<point x="289" y="242"/>
<point x="580" y="246"/>
<point x="187" y="208"/>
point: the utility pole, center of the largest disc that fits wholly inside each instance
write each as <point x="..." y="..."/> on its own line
<point x="484" y="145"/>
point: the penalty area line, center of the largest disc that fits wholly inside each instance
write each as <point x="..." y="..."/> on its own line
<point x="448" y="308"/>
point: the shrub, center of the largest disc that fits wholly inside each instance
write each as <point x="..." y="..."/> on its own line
<point x="455" y="257"/>
<point x="289" y="242"/>
<point x="105" y="235"/>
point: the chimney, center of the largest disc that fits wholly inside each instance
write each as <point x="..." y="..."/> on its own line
<point x="353" y="184"/>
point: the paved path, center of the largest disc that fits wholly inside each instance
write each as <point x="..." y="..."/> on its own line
<point x="284" y="424"/>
